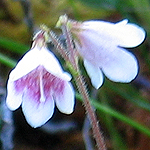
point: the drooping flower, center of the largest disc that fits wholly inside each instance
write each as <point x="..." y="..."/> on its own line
<point x="37" y="83"/>
<point x="101" y="45"/>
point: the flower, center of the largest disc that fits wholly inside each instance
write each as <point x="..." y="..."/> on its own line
<point x="37" y="83"/>
<point x="101" y="45"/>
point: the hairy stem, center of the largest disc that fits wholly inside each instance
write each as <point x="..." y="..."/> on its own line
<point x="70" y="46"/>
<point x="70" y="56"/>
<point x="83" y="91"/>
<point x="58" y="45"/>
<point x="91" y="114"/>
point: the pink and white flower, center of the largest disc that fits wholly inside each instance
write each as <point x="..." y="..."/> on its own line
<point x="37" y="83"/>
<point x="101" y="45"/>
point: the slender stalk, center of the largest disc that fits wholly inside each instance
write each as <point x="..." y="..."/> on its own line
<point x="91" y="114"/>
<point x="70" y="47"/>
<point x="71" y="58"/>
<point x="58" y="45"/>
<point x="83" y="91"/>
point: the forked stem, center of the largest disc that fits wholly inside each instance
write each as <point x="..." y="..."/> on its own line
<point x="83" y="91"/>
<point x="72" y="62"/>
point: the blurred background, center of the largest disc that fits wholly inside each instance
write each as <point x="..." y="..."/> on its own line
<point x="123" y="110"/>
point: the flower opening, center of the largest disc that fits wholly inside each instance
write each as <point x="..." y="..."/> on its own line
<point x="38" y="83"/>
<point x="101" y="44"/>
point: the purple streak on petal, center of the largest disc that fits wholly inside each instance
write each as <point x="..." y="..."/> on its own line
<point x="31" y="82"/>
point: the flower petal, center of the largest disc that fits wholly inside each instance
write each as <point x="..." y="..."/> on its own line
<point x="122" y="33"/>
<point x="129" y="35"/>
<point x="64" y="97"/>
<point x="94" y="73"/>
<point x="121" y="66"/>
<point x="52" y="65"/>
<point x="94" y="48"/>
<point x="117" y="64"/>
<point x="14" y="99"/>
<point x="29" y="62"/>
<point x="36" y="112"/>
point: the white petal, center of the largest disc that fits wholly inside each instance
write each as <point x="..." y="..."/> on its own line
<point x="29" y="62"/>
<point x="121" y="66"/>
<point x="123" y="34"/>
<point x="129" y="35"/>
<point x="52" y="65"/>
<point x="37" y="113"/>
<point x="117" y="64"/>
<point x="94" y="48"/>
<point x="14" y="99"/>
<point x="123" y="22"/>
<point x="94" y="73"/>
<point x="65" y="100"/>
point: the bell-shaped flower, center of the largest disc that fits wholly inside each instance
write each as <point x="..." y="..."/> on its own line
<point x="37" y="83"/>
<point x="101" y="45"/>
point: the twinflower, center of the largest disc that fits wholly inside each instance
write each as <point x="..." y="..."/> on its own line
<point x="101" y="44"/>
<point x="37" y="83"/>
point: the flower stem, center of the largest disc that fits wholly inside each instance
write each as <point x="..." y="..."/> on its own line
<point x="91" y="114"/>
<point x="71" y="58"/>
<point x="58" y="45"/>
<point x="70" y="47"/>
<point x="82" y="89"/>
